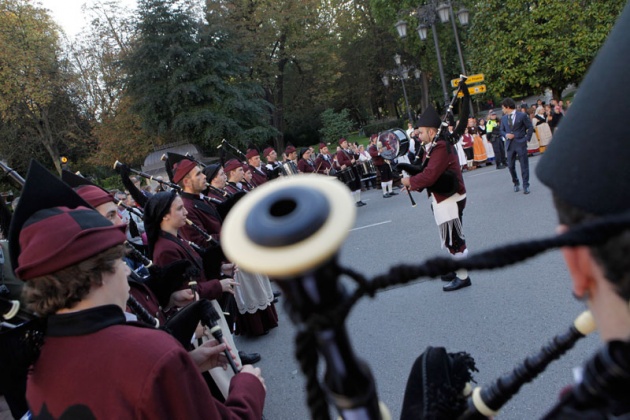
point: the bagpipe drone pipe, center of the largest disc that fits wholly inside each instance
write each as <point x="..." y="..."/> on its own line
<point x="292" y="229"/>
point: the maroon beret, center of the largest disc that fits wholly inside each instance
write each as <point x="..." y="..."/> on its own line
<point x="322" y="145"/>
<point x="251" y="153"/>
<point x="290" y="149"/>
<point x="231" y="165"/>
<point x="59" y="237"/>
<point x="267" y="151"/>
<point x="94" y="195"/>
<point x="181" y="169"/>
<point x="341" y="140"/>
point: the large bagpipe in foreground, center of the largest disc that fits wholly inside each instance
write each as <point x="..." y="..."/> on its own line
<point x="291" y="230"/>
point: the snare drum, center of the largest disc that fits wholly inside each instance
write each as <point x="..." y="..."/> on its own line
<point x="346" y="176"/>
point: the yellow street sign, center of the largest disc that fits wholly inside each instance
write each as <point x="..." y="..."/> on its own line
<point x="473" y="90"/>
<point x="475" y="78"/>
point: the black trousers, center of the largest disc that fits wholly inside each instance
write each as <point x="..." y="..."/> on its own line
<point x="499" y="151"/>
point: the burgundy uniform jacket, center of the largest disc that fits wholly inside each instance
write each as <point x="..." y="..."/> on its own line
<point x="169" y="249"/>
<point x="376" y="158"/>
<point x="305" y="167"/>
<point x="443" y="158"/>
<point x="259" y="176"/>
<point x="323" y="162"/>
<point x="202" y="214"/>
<point x="92" y="363"/>
<point x="344" y="158"/>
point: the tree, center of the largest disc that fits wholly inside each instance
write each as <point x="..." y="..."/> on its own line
<point x="186" y="83"/>
<point x="33" y="80"/>
<point x="286" y="39"/>
<point x="521" y="46"/>
<point x="335" y="125"/>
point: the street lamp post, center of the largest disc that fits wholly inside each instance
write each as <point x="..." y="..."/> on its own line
<point x="402" y="72"/>
<point x="427" y="15"/>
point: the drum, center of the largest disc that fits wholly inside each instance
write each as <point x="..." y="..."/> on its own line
<point x="395" y="142"/>
<point x="364" y="168"/>
<point x="346" y="176"/>
<point x="367" y="170"/>
<point x="371" y="168"/>
<point x="288" y="168"/>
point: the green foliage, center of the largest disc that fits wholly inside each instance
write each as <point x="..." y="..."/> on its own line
<point x="376" y="128"/>
<point x="187" y="83"/>
<point x="335" y="125"/>
<point x="530" y="46"/>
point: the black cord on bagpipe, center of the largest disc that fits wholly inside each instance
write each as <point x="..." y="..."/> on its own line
<point x="308" y="357"/>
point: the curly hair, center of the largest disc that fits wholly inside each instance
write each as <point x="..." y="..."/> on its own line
<point x="48" y="294"/>
<point x="612" y="256"/>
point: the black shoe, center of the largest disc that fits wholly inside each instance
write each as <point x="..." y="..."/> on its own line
<point x="516" y="188"/>
<point x="362" y="203"/>
<point x="457" y="284"/>
<point x="393" y="193"/>
<point x="274" y="301"/>
<point x="277" y="293"/>
<point x="448" y="277"/>
<point x="387" y="195"/>
<point x="249" y="358"/>
<point x="359" y="204"/>
<point x="526" y="190"/>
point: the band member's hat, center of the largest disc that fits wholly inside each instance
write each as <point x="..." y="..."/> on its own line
<point x="232" y="164"/>
<point x="341" y="140"/>
<point x="93" y="194"/>
<point x="586" y="164"/>
<point x="53" y="228"/>
<point x="211" y="171"/>
<point x="290" y="149"/>
<point x="303" y="150"/>
<point x="173" y="159"/>
<point x="321" y="146"/>
<point x="181" y="169"/>
<point x="429" y="118"/>
<point x="267" y="151"/>
<point x="251" y="153"/>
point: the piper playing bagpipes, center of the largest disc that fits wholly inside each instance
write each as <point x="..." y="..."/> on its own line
<point x="441" y="175"/>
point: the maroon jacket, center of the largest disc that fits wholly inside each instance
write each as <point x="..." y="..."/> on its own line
<point x="323" y="162"/>
<point x="343" y="158"/>
<point x="259" y="175"/>
<point x="169" y="249"/>
<point x="202" y="214"/>
<point x="377" y="159"/>
<point x="305" y="167"/>
<point x="443" y="158"/>
<point x="94" y="363"/>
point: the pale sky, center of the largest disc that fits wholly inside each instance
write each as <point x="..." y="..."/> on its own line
<point x="67" y="13"/>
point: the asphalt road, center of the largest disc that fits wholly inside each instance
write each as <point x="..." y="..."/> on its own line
<point x="506" y="315"/>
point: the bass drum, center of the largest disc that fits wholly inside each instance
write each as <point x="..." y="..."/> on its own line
<point x="395" y="142"/>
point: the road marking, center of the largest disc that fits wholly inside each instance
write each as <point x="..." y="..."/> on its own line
<point x="372" y="225"/>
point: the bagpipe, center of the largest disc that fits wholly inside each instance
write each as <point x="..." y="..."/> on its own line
<point x="119" y="165"/>
<point x="292" y="229"/>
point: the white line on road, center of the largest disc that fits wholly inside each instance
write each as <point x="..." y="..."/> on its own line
<point x="372" y="225"/>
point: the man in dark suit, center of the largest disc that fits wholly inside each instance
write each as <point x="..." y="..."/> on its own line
<point x="517" y="129"/>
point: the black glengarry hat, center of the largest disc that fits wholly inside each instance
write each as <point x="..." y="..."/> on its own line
<point x="429" y="118"/>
